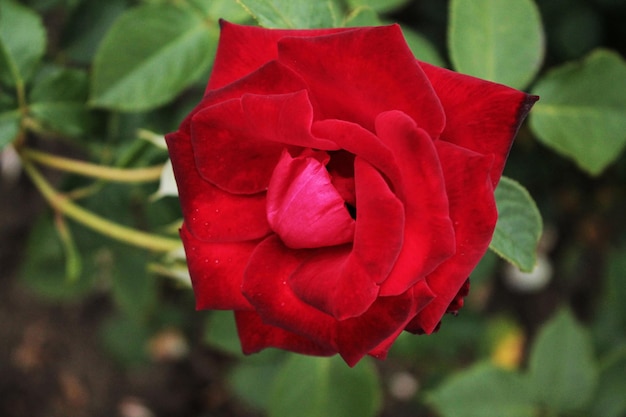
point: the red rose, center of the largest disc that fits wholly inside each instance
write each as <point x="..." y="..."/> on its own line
<point x="336" y="191"/>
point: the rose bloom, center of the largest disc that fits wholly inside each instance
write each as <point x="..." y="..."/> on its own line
<point x="335" y="190"/>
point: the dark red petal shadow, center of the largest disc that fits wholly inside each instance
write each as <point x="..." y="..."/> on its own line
<point x="361" y="142"/>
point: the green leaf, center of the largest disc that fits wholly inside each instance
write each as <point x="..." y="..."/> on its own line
<point x="251" y="380"/>
<point x="483" y="391"/>
<point x="609" y="327"/>
<point x="87" y="26"/>
<point x="562" y="369"/>
<point x="498" y="40"/>
<point x="308" y="386"/>
<point x="141" y="66"/>
<point x="221" y="333"/>
<point x="581" y="111"/>
<point x="58" y="101"/>
<point x="9" y="127"/>
<point x="422" y="48"/>
<point x="362" y="16"/>
<point x="615" y="287"/>
<point x="381" y="6"/>
<point x="22" y="42"/>
<point x="43" y="269"/>
<point x="134" y="288"/>
<point x="519" y="225"/>
<point x="125" y="339"/>
<point x="610" y="400"/>
<point x="291" y="14"/>
<point x="229" y="10"/>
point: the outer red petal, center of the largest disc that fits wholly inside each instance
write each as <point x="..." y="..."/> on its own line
<point x="260" y="46"/>
<point x="216" y="271"/>
<point x="251" y="133"/>
<point x="371" y="332"/>
<point x="473" y="211"/>
<point x="429" y="235"/>
<point x="480" y="115"/>
<point x="379" y="74"/>
<point x="227" y="152"/>
<point x="422" y="296"/>
<point x="265" y="285"/>
<point x="211" y="214"/>
<point x="271" y="78"/>
<point x="256" y="335"/>
<point x="284" y="118"/>
<point x="344" y="283"/>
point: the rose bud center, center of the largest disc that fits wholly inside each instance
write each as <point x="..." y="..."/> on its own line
<point x="304" y="208"/>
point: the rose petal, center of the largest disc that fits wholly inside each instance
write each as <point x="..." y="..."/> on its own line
<point x="386" y="318"/>
<point x="211" y="214"/>
<point x="359" y="141"/>
<point x="255" y="335"/>
<point x="480" y="115"/>
<point x="259" y="45"/>
<point x="251" y="133"/>
<point x="304" y="208"/>
<point x="379" y="74"/>
<point x="265" y="285"/>
<point x="429" y="236"/>
<point x="216" y="271"/>
<point x="473" y="212"/>
<point x="227" y="152"/>
<point x="284" y="118"/>
<point x="422" y="296"/>
<point x="271" y="78"/>
<point x="344" y="282"/>
<point x="380" y="225"/>
<point x="217" y="154"/>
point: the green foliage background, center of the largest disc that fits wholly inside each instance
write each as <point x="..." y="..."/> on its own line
<point x="101" y="77"/>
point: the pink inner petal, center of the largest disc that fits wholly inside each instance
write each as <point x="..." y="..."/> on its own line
<point x="304" y="208"/>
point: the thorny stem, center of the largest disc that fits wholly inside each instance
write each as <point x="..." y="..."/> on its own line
<point x="93" y="170"/>
<point x="106" y="227"/>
